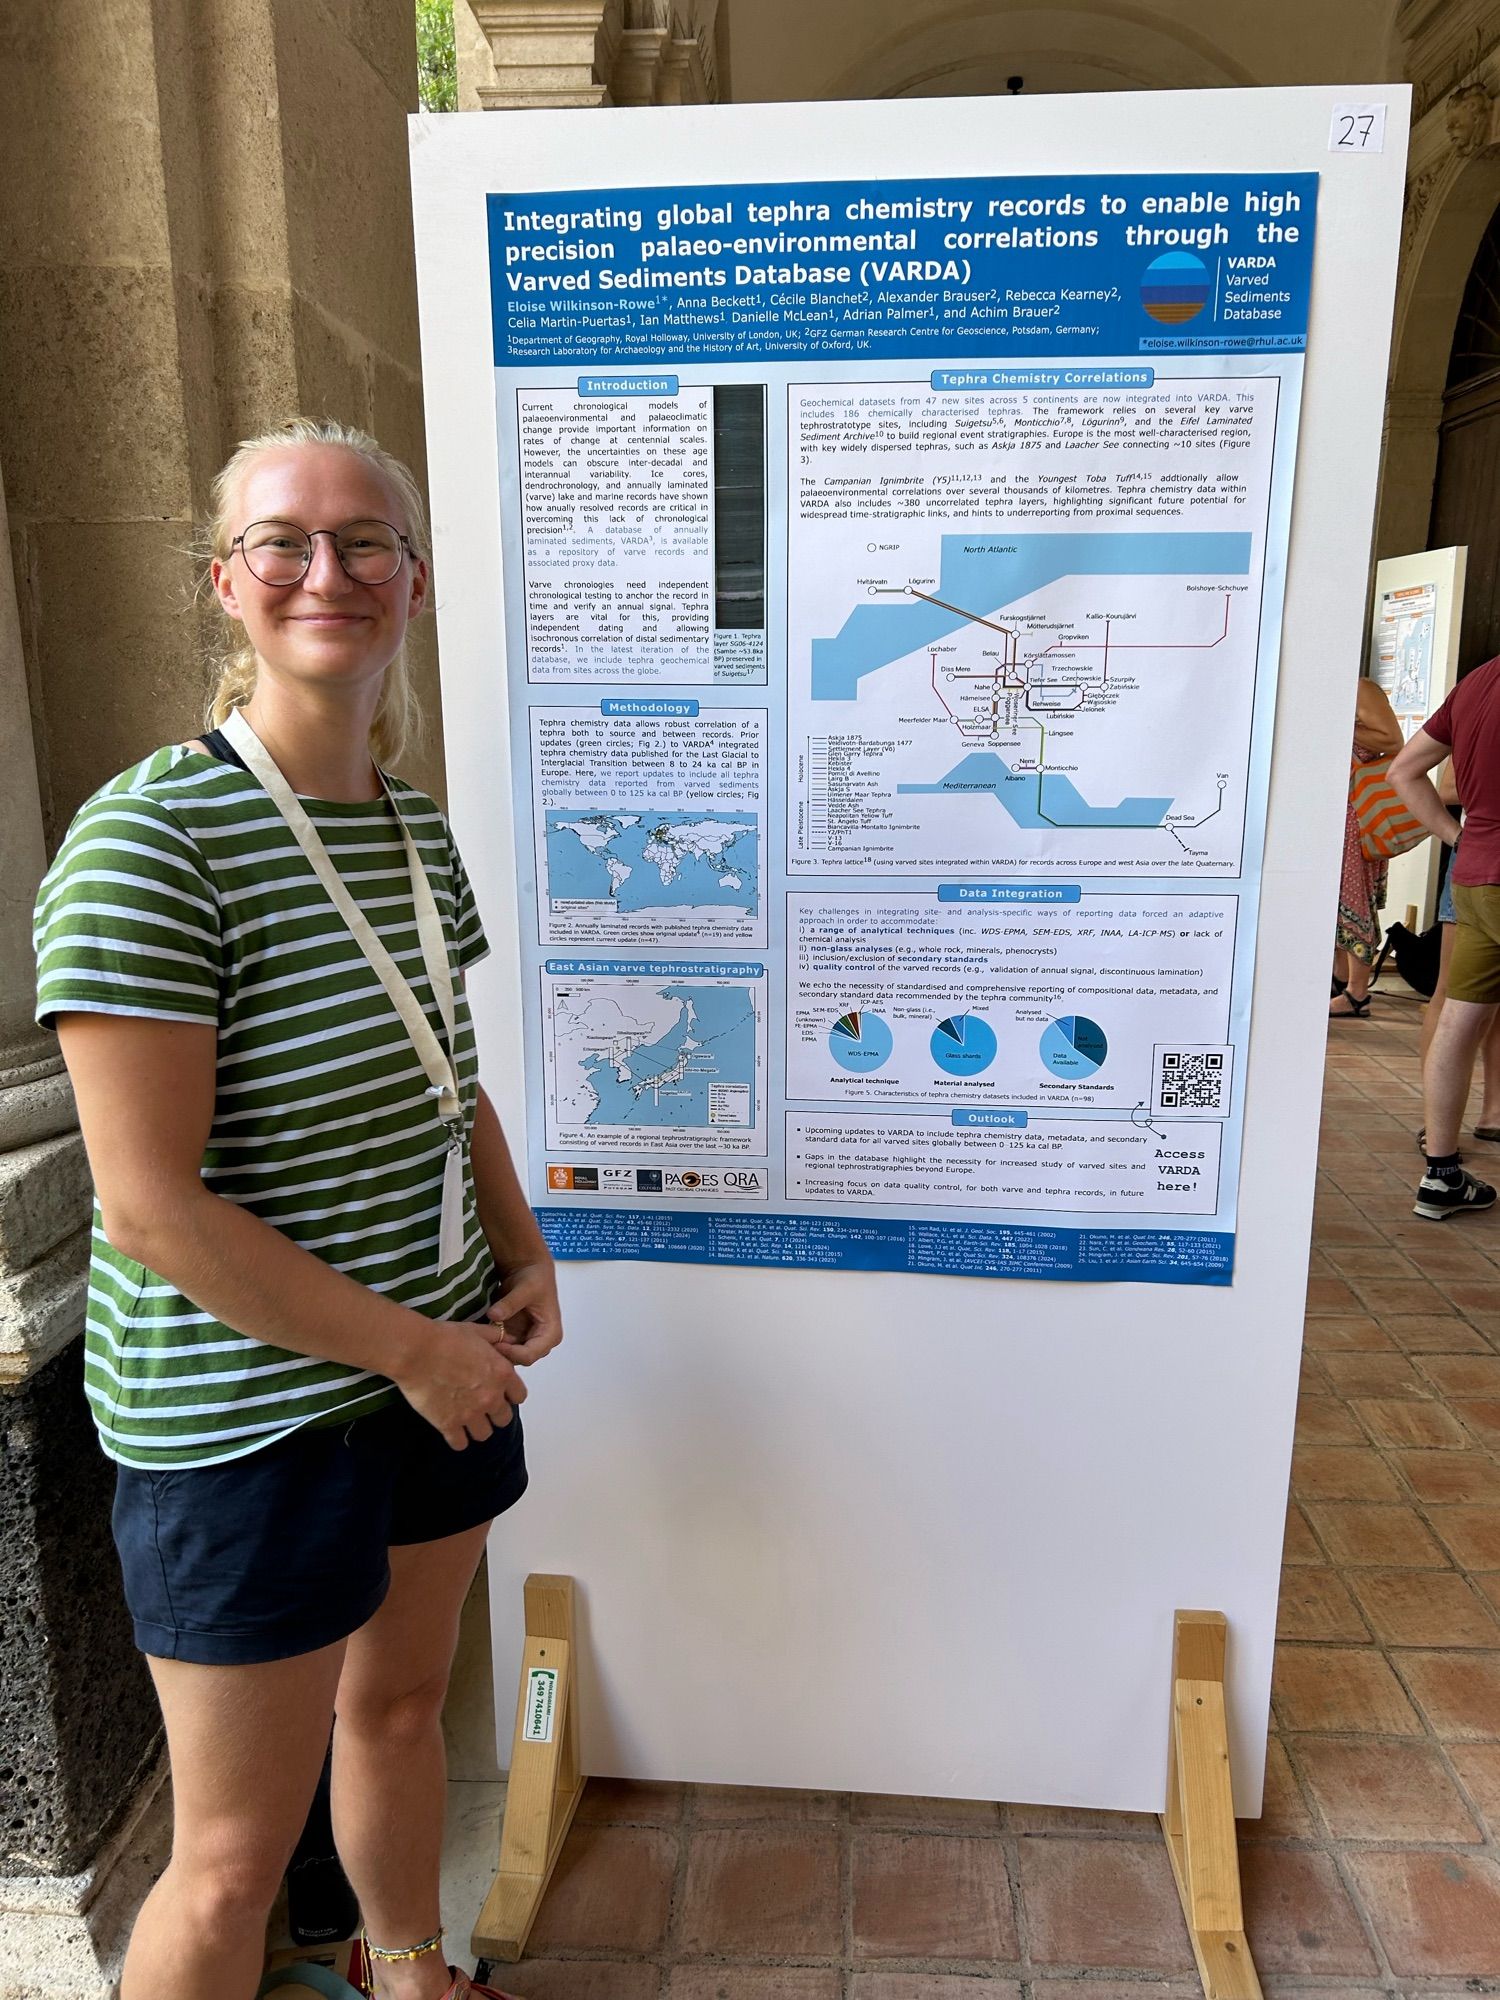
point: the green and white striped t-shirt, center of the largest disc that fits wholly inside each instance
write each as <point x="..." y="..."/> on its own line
<point x="181" y="894"/>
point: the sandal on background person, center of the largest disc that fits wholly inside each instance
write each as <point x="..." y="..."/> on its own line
<point x="1352" y="1009"/>
<point x="464" y="1987"/>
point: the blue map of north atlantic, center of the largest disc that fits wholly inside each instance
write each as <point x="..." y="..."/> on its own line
<point x="654" y="860"/>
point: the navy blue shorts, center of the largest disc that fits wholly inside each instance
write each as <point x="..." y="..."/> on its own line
<point x="285" y="1550"/>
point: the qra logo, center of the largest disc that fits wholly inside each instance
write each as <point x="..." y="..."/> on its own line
<point x="745" y="1183"/>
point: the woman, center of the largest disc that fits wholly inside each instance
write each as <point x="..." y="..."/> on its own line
<point x="1377" y="733"/>
<point x="315" y="1276"/>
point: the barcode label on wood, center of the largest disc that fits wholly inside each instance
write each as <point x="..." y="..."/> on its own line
<point x="541" y="1705"/>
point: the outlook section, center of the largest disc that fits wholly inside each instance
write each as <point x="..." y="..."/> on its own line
<point x="1006" y="1160"/>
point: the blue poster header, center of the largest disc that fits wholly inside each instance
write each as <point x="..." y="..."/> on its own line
<point x="1095" y="264"/>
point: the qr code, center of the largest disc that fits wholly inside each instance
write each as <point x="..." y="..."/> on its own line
<point x="1193" y="1080"/>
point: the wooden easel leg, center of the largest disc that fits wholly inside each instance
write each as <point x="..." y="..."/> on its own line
<point x="1199" y="1819"/>
<point x="545" y="1781"/>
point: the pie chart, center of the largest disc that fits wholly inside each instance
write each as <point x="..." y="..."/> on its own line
<point x="963" y="1045"/>
<point x="860" y="1041"/>
<point x="1074" y="1048"/>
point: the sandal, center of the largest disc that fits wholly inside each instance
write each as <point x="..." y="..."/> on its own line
<point x="1357" y="1009"/>
<point x="314" y="1979"/>
<point x="1337" y="987"/>
<point x="1490" y="1132"/>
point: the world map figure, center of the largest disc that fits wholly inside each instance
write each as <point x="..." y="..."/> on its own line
<point x="654" y="861"/>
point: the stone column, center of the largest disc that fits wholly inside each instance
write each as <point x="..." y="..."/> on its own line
<point x="43" y="1175"/>
<point x="77" y="1714"/>
<point x="638" y="65"/>
<point x="549" y="52"/>
<point x="204" y="228"/>
<point x="524" y="54"/>
<point x="686" y="75"/>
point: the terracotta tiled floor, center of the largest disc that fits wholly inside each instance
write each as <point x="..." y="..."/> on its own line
<point x="1376" y="1868"/>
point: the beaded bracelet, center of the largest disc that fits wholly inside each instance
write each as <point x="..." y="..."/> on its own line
<point x="390" y="1957"/>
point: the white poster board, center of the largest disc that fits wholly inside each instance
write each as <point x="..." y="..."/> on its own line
<point x="1415" y="620"/>
<point x="913" y="1533"/>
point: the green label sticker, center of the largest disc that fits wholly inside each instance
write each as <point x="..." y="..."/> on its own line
<point x="541" y="1702"/>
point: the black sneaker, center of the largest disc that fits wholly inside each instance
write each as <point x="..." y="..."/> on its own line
<point x="1440" y="1195"/>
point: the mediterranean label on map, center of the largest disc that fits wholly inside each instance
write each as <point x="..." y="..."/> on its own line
<point x="541" y="1705"/>
<point x="893" y="597"/>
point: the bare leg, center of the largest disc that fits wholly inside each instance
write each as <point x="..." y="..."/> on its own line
<point x="389" y="1767"/>
<point x="1357" y="975"/>
<point x="1439" y="992"/>
<point x="1489" y="1115"/>
<point x="237" y="1813"/>
<point x="1448" y="1070"/>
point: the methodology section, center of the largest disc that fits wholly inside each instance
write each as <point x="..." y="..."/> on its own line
<point x="649" y="823"/>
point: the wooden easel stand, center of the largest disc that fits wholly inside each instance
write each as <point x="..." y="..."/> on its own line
<point x="545" y="1781"/>
<point x="546" y="1785"/>
<point x="1199" y="1819"/>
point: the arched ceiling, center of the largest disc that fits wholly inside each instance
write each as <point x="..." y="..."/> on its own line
<point x="799" y="49"/>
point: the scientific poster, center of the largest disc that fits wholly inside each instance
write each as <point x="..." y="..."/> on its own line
<point x="893" y="579"/>
<point x="1403" y="650"/>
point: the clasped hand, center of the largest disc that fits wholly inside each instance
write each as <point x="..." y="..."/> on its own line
<point x="464" y="1381"/>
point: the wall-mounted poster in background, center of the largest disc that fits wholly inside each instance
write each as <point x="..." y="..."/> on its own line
<point x="1415" y="621"/>
<point x="1403" y="648"/>
<point x="894" y="586"/>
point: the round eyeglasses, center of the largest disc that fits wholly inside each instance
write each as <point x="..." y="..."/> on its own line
<point x="280" y="553"/>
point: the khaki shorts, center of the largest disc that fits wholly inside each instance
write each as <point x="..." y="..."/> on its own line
<point x="1474" y="972"/>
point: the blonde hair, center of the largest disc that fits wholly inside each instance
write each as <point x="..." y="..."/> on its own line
<point x="397" y="725"/>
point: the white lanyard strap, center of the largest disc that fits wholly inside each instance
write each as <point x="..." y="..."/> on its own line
<point x="430" y="1052"/>
<point x="435" y="1060"/>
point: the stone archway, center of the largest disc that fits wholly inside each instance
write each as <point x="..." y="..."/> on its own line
<point x="1452" y="192"/>
<point x="971" y="48"/>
